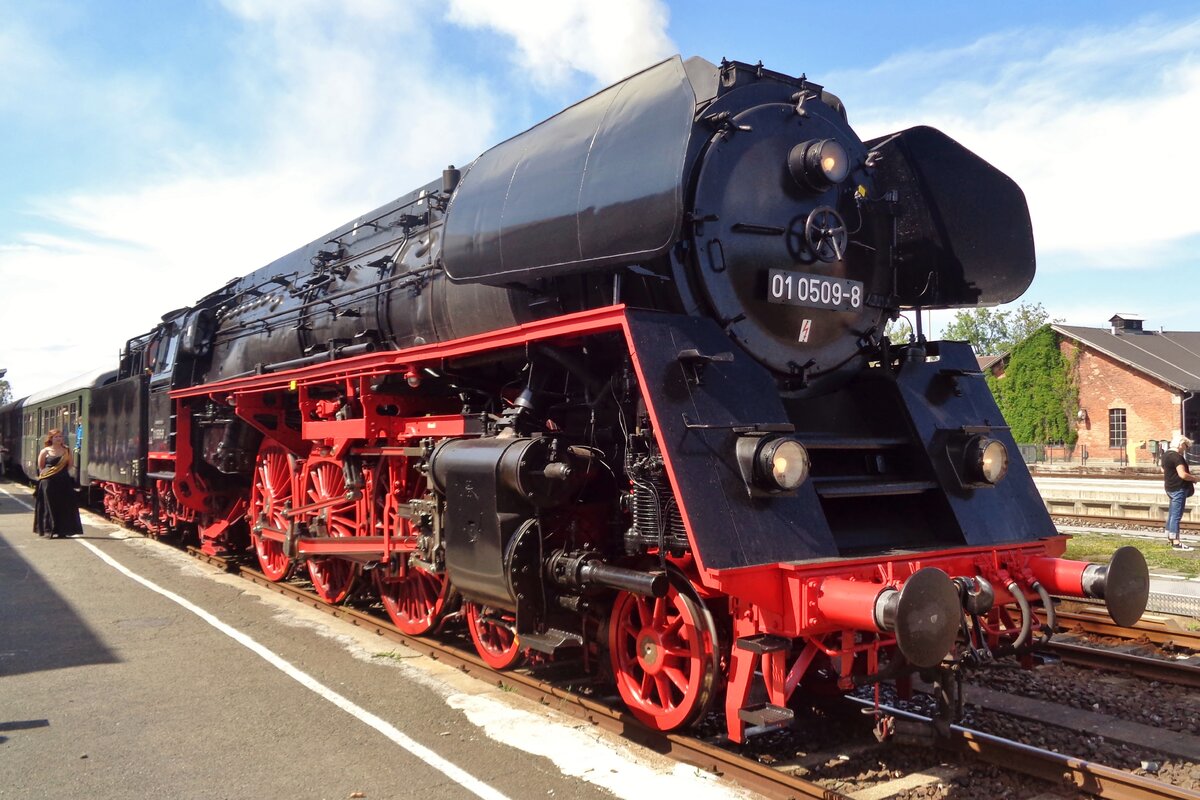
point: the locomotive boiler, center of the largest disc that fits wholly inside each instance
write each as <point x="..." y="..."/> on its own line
<point x="619" y="389"/>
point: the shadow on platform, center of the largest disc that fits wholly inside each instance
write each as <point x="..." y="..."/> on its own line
<point x="11" y="499"/>
<point x="38" y="629"/>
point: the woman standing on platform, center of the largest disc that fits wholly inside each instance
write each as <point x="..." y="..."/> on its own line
<point x="55" y="510"/>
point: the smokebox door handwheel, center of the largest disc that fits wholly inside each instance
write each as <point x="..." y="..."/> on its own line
<point x="779" y="251"/>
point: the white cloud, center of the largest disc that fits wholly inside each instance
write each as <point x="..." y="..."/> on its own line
<point x="1093" y="126"/>
<point x="555" y="38"/>
<point x="345" y="118"/>
<point x="336" y="108"/>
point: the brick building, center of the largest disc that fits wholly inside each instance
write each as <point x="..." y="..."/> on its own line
<point x="992" y="364"/>
<point x="1137" y="388"/>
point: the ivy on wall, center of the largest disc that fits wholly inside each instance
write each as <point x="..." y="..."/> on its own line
<point x="1038" y="394"/>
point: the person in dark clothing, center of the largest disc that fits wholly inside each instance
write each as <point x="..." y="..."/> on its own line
<point x="1179" y="482"/>
<point x="55" y="510"/>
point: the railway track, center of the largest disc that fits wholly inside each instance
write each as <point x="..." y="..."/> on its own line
<point x="1060" y="770"/>
<point x="764" y="779"/>
<point x="1133" y="523"/>
<point x="1180" y="673"/>
<point x="719" y="761"/>
<point x="1156" y="630"/>
<point x="1154" y="475"/>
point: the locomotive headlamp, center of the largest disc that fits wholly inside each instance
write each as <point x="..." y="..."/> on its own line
<point x="987" y="459"/>
<point x="772" y="463"/>
<point x="819" y="163"/>
<point x="786" y="461"/>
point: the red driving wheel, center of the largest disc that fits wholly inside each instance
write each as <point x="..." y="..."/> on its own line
<point x="415" y="599"/>
<point x="270" y="494"/>
<point x="663" y="658"/>
<point x="332" y="577"/>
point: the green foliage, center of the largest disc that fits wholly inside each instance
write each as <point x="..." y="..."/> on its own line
<point x="1099" y="547"/>
<point x="991" y="331"/>
<point x="899" y="330"/>
<point x="1038" y="394"/>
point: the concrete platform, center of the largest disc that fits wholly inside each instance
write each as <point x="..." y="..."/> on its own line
<point x="128" y="669"/>
<point x="1141" y="501"/>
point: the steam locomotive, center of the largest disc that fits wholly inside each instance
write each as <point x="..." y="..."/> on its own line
<point x="620" y="389"/>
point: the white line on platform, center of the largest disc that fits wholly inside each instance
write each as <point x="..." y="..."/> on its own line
<point x="459" y="776"/>
<point x="14" y="497"/>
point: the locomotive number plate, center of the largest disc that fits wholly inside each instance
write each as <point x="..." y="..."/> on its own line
<point x="813" y="291"/>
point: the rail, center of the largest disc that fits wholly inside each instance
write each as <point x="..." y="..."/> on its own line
<point x="1066" y="771"/>
<point x="768" y="782"/>
<point x="1181" y="673"/>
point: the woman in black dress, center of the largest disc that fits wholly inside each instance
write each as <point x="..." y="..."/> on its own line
<point x="55" y="510"/>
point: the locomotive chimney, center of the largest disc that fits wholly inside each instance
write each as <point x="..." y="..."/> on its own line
<point x="450" y="178"/>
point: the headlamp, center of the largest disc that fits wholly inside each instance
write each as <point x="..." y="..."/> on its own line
<point x="784" y="463"/>
<point x="772" y="463"/>
<point x="986" y="459"/>
<point x="819" y="163"/>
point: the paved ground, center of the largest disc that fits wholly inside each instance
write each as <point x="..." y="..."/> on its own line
<point x="130" y="670"/>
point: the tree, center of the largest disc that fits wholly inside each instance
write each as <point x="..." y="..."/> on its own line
<point x="1038" y="394"/>
<point x="5" y="392"/>
<point x="991" y="331"/>
<point x="899" y="330"/>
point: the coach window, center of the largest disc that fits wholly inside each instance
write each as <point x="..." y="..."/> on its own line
<point x="1116" y="427"/>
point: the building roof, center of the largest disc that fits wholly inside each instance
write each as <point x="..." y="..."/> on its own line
<point x="987" y="362"/>
<point x="1172" y="357"/>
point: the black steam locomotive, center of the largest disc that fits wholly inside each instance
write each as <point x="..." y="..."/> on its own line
<point x="620" y="388"/>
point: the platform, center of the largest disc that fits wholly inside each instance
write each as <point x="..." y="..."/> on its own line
<point x="129" y="669"/>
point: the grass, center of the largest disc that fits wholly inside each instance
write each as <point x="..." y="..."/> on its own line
<point x="1159" y="555"/>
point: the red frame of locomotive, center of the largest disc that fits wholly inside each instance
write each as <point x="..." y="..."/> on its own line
<point x="826" y="605"/>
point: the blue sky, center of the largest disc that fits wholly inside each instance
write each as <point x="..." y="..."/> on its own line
<point x="151" y="151"/>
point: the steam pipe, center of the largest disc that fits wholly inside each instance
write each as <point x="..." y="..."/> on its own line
<point x="581" y="570"/>
<point x="1026" y="615"/>
<point x="652" y="584"/>
<point x="304" y="361"/>
<point x="1048" y="604"/>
